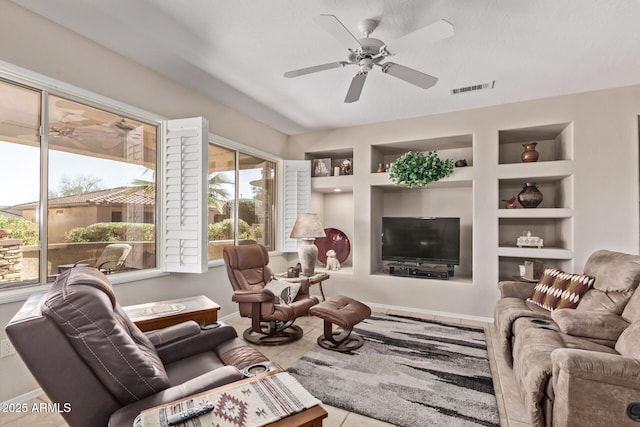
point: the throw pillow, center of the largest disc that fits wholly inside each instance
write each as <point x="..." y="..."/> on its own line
<point x="558" y="289"/>
<point x="285" y="292"/>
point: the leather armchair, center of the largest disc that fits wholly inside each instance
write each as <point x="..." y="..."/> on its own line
<point x="271" y="323"/>
<point x="84" y="351"/>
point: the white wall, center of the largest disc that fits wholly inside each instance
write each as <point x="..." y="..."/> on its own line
<point x="34" y="43"/>
<point x="605" y="188"/>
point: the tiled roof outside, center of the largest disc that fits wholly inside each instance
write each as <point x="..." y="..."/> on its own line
<point x="112" y="196"/>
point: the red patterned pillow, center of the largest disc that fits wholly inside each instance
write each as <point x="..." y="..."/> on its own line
<point x="558" y="289"/>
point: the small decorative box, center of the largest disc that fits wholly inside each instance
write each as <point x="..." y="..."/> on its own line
<point x="529" y="240"/>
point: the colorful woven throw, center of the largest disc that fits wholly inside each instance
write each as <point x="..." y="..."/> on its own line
<point x="251" y="404"/>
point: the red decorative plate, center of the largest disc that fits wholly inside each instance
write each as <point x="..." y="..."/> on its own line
<point x="336" y="240"/>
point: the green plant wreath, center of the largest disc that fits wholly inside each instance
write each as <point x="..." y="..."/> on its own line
<point x="419" y="169"/>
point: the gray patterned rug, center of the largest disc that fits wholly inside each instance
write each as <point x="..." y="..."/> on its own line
<point x="410" y="372"/>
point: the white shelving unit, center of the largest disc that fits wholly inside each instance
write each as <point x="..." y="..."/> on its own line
<point x="543" y="170"/>
<point x="461" y="177"/>
<point x="454" y="196"/>
<point x="553" y="219"/>
<point x="536" y="213"/>
<point x="333" y="194"/>
<point x="451" y="196"/>
<point x="543" y="253"/>
<point x="332" y="184"/>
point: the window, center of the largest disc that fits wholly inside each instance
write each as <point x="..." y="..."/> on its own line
<point x="80" y="182"/>
<point x="98" y="162"/>
<point x="100" y="186"/>
<point x="256" y="200"/>
<point x="20" y="175"/>
<point x="241" y="200"/>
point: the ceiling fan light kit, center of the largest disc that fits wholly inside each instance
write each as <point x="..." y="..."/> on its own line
<point x="370" y="52"/>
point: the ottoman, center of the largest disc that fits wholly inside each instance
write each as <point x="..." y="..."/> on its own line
<point x="344" y="312"/>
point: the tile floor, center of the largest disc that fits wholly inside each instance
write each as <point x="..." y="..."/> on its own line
<point x="512" y="412"/>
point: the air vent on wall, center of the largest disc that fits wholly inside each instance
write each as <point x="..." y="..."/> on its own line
<point x="473" y="88"/>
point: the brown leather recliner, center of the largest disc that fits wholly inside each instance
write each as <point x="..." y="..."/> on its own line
<point x="85" y="352"/>
<point x="271" y="323"/>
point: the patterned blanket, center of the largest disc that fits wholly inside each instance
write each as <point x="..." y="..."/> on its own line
<point x="251" y="404"/>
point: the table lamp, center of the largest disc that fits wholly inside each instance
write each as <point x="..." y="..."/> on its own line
<point x="307" y="228"/>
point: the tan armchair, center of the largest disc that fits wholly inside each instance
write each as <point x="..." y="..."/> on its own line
<point x="84" y="351"/>
<point x="271" y="323"/>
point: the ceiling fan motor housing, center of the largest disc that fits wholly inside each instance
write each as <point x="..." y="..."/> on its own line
<point x="369" y="50"/>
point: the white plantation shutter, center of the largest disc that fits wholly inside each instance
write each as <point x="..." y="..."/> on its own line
<point x="296" y="199"/>
<point x="184" y="239"/>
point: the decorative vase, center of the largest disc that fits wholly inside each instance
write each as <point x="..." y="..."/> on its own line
<point x="381" y="168"/>
<point x="529" y="155"/>
<point x="530" y="196"/>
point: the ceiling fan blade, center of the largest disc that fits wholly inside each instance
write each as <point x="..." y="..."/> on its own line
<point x="409" y="75"/>
<point x="314" y="69"/>
<point x="439" y="30"/>
<point x="355" y="89"/>
<point x="337" y="29"/>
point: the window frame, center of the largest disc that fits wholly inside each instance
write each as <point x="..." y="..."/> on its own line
<point x="49" y="86"/>
<point x="238" y="147"/>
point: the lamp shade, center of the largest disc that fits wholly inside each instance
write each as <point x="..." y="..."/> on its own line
<point x="307" y="226"/>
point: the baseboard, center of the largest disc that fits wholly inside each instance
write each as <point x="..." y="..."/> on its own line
<point x="30" y="395"/>
<point x="431" y="312"/>
<point x="230" y="316"/>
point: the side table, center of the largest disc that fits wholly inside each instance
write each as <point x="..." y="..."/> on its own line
<point x="160" y="314"/>
<point x="316" y="279"/>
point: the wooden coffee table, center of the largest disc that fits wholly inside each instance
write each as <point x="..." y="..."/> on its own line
<point x="160" y="314"/>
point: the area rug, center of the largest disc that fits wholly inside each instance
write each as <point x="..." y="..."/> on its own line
<point x="410" y="372"/>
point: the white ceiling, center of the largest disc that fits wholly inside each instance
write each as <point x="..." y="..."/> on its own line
<point x="237" y="51"/>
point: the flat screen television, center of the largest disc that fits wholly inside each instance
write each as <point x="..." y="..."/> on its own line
<point x="421" y="240"/>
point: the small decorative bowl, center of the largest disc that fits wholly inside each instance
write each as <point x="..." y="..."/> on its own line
<point x="253" y="370"/>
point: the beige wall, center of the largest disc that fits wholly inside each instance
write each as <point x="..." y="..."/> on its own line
<point x="36" y="44"/>
<point x="605" y="188"/>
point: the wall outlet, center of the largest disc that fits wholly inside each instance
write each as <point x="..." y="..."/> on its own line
<point x="6" y="348"/>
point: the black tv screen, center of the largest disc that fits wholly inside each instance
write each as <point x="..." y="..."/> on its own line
<point x="421" y="240"/>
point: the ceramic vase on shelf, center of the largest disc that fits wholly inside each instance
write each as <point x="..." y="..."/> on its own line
<point x="530" y="196"/>
<point x="529" y="155"/>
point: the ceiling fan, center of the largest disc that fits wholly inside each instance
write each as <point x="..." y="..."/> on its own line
<point x="368" y="52"/>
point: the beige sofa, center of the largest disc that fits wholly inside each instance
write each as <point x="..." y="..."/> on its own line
<point x="577" y="367"/>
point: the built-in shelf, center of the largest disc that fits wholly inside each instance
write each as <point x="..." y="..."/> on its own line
<point x="330" y="184"/>
<point x="548" y="253"/>
<point x="334" y="160"/>
<point x="536" y="213"/>
<point x="553" y="173"/>
<point x="461" y="177"/>
<point x="455" y="280"/>
<point x="538" y="171"/>
<point x="455" y="147"/>
<point x="554" y="142"/>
